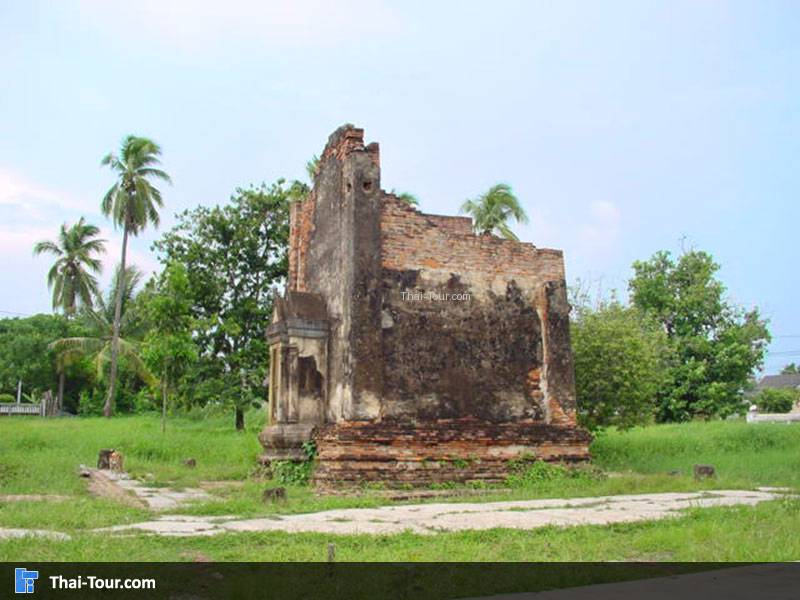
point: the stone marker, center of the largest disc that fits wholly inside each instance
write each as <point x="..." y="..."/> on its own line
<point x="704" y="471"/>
<point x="110" y="459"/>
<point x="274" y="494"/>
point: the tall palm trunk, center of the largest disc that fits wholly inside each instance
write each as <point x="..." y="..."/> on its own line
<point x="108" y="408"/>
<point x="68" y="313"/>
<point x="164" y="401"/>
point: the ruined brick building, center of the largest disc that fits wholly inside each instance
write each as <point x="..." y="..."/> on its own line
<point x="409" y="348"/>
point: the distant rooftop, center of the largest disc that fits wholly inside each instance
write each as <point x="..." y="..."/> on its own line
<point x="787" y="380"/>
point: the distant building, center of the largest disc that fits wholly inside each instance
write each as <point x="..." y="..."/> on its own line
<point x="777" y="382"/>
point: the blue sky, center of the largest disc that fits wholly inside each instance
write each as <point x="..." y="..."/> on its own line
<point x="624" y="127"/>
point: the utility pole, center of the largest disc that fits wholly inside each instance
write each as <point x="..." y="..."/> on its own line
<point x="19" y="391"/>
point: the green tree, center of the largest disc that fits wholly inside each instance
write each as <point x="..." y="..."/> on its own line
<point x="71" y="277"/>
<point x="492" y="210"/>
<point x="233" y="255"/>
<point x="717" y="346"/>
<point x="25" y="356"/>
<point x="620" y="364"/>
<point x="98" y="342"/>
<point x="780" y="400"/>
<point x="168" y="347"/>
<point x="132" y="203"/>
<point x="790" y="369"/>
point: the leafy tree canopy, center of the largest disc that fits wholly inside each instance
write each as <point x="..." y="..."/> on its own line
<point x="717" y="346"/>
<point x="620" y="363"/>
<point x="777" y="400"/>
<point x="233" y="255"/>
<point x="168" y="347"/>
<point x="25" y="356"/>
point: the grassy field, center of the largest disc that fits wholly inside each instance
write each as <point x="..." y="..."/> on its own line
<point x="42" y="456"/>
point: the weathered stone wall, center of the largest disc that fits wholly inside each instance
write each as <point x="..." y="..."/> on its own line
<point x="469" y="322"/>
<point x="335" y="252"/>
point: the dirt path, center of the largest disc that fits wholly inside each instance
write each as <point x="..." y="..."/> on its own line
<point x="433" y="518"/>
<point x="123" y="488"/>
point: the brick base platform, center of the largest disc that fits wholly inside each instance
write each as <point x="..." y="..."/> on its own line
<point x="423" y="453"/>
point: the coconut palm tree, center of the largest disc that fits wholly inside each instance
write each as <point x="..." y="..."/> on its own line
<point x="492" y="210"/>
<point x="312" y="168"/>
<point x="100" y="319"/>
<point x="132" y="203"/>
<point x="71" y="278"/>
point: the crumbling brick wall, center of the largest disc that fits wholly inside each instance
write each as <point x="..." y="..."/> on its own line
<point x="301" y="219"/>
<point x="485" y="353"/>
<point x="483" y="374"/>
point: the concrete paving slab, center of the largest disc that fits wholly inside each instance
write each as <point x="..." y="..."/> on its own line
<point x="432" y="518"/>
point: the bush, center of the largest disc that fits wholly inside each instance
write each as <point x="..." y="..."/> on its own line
<point x="620" y="358"/>
<point x="7" y="398"/>
<point x="90" y="403"/>
<point x="777" y="400"/>
<point x="288" y="472"/>
<point x="528" y="471"/>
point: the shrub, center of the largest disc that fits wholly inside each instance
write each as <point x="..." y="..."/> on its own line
<point x="777" y="400"/>
<point x="90" y="403"/>
<point x="527" y="471"/>
<point x="619" y="365"/>
<point x="7" y="398"/>
<point x="288" y="472"/>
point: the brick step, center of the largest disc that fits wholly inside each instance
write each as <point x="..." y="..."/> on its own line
<point x="438" y="452"/>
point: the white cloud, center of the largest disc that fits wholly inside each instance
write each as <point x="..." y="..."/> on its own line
<point x="601" y="233"/>
<point x="30" y="212"/>
<point x="196" y="24"/>
<point x="21" y="199"/>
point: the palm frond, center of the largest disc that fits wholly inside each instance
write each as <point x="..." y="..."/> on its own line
<point x="157" y="173"/>
<point x="83" y="345"/>
<point x="130" y="352"/>
<point x="46" y="246"/>
<point x="312" y="168"/>
<point x="492" y="210"/>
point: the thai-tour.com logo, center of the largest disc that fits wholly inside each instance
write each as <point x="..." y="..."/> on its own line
<point x="24" y="580"/>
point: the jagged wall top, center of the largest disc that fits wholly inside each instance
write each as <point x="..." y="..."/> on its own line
<point x="348" y="139"/>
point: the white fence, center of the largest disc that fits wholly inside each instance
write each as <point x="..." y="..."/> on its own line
<point x="12" y="408"/>
<point x="753" y="416"/>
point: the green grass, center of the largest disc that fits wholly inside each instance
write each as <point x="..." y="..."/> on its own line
<point x="767" y="532"/>
<point x="745" y="455"/>
<point x="42" y="456"/>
